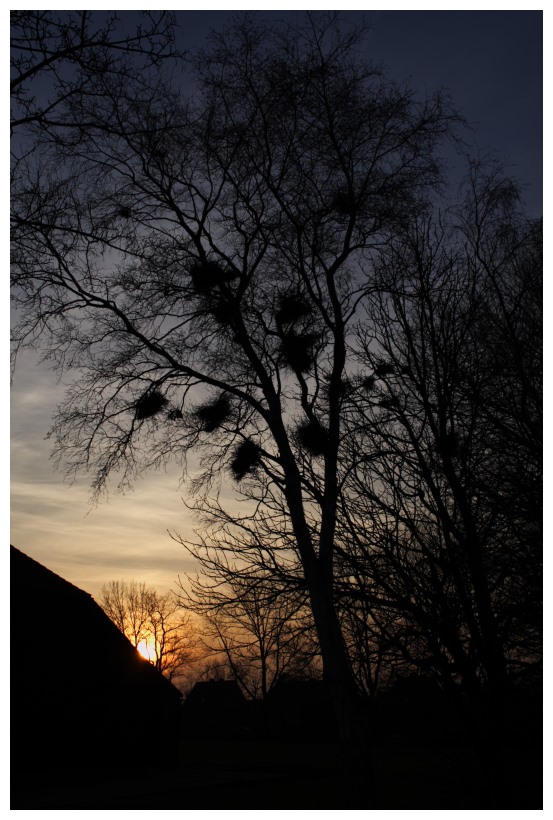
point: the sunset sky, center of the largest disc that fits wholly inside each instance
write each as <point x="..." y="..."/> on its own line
<point x="492" y="64"/>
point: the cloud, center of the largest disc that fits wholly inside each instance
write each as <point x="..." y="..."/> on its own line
<point x="125" y="537"/>
<point x="54" y="522"/>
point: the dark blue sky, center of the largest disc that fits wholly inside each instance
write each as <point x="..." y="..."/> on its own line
<point x="490" y="61"/>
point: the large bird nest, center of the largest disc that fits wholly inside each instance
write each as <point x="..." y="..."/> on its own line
<point x="149" y="404"/>
<point x="384" y="369"/>
<point x="313" y="437"/>
<point x="298" y="351"/>
<point x="291" y="308"/>
<point x="208" y="275"/>
<point x="247" y="457"/>
<point x="213" y="414"/>
<point x="224" y="312"/>
<point x="368" y="383"/>
<point x="343" y="202"/>
<point x="447" y="445"/>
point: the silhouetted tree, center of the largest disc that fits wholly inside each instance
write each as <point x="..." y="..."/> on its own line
<point x="441" y="514"/>
<point x="60" y="57"/>
<point x="259" y="635"/>
<point x="146" y="617"/>
<point x="217" y="251"/>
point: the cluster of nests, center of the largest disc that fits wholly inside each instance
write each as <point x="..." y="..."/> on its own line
<point x="311" y="436"/>
<point x="211" y="281"/>
<point x="297" y="346"/>
<point x="247" y="455"/>
<point x="210" y="416"/>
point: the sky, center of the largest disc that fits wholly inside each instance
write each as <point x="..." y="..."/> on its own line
<point x="491" y="62"/>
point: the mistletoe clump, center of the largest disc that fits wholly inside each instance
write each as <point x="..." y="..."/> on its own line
<point x="149" y="404"/>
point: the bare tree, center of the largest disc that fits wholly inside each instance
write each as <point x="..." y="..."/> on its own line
<point x="441" y="513"/>
<point x="202" y="263"/>
<point x="60" y="57"/>
<point x="261" y="636"/>
<point x="156" y="624"/>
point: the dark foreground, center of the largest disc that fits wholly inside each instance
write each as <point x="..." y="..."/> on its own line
<point x="295" y="776"/>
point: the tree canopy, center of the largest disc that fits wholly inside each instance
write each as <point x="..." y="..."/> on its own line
<point x="262" y="274"/>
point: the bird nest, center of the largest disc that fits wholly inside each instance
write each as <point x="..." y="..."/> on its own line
<point x="291" y="308"/>
<point x="447" y="445"/>
<point x="247" y="457"/>
<point x="384" y="369"/>
<point x="313" y="437"/>
<point x="149" y="404"/>
<point x="225" y="312"/>
<point x="208" y="275"/>
<point x="344" y="203"/>
<point x="390" y="403"/>
<point x="298" y="351"/>
<point x="213" y="414"/>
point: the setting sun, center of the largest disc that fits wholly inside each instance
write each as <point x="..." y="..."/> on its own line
<point x="147" y="649"/>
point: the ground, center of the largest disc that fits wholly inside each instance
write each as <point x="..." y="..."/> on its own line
<point x="266" y="776"/>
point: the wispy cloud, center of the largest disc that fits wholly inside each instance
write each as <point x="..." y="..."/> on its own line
<point x="54" y="523"/>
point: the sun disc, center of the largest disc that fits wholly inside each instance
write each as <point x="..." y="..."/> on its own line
<point x="146" y="650"/>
